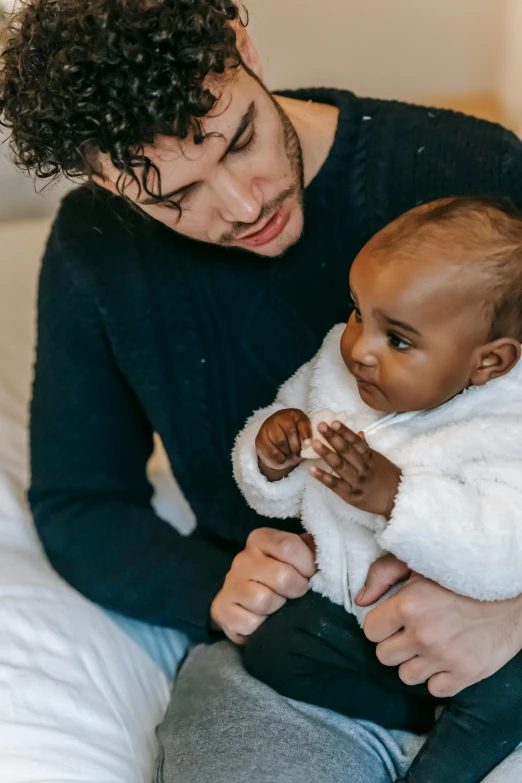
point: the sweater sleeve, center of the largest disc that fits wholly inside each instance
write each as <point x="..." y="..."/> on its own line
<point x="464" y="531"/>
<point x="279" y="499"/>
<point x="90" y="443"/>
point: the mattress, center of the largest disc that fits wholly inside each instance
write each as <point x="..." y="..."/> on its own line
<point x="79" y="699"/>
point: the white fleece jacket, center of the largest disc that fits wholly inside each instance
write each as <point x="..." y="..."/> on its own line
<point x="458" y="513"/>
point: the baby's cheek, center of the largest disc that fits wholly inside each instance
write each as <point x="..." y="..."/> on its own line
<point x="425" y="391"/>
<point x="405" y="393"/>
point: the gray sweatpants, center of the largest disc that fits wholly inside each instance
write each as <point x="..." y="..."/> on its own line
<point x="222" y="726"/>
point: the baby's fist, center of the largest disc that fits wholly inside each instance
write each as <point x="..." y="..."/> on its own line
<point x="279" y="442"/>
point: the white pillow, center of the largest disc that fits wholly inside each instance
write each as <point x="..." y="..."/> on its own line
<point x="79" y="700"/>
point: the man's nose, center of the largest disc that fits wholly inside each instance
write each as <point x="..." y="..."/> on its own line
<point x="240" y="201"/>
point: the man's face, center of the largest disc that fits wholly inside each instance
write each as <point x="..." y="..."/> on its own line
<point x="242" y="187"/>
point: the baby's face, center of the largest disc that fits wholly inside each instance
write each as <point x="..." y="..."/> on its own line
<point x="412" y="340"/>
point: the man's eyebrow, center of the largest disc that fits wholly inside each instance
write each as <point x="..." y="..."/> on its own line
<point x="147" y="202"/>
<point x="245" y="121"/>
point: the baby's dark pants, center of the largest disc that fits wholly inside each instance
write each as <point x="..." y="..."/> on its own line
<point x="314" y="651"/>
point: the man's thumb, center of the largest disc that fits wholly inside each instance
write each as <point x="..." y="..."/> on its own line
<point x="382" y="575"/>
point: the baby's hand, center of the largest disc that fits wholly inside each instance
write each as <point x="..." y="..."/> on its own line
<point x="364" y="478"/>
<point x="279" y="442"/>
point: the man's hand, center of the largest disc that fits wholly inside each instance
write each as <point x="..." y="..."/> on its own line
<point x="274" y="566"/>
<point x="364" y="478"/>
<point x="436" y="636"/>
<point x="279" y="442"/>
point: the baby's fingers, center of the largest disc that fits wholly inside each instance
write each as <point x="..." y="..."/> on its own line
<point x="305" y="431"/>
<point x="336" y="484"/>
<point x="296" y="432"/>
<point x="289" y="441"/>
<point x="279" y="439"/>
<point x="269" y="452"/>
<point x="344" y="446"/>
<point x="357" y="441"/>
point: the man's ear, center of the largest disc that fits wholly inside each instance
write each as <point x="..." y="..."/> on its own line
<point x="495" y="359"/>
<point x="246" y="49"/>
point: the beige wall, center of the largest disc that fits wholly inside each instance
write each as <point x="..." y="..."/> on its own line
<point x="387" y="48"/>
<point x="510" y="83"/>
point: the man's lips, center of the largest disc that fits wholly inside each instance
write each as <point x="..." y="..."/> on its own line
<point x="270" y="231"/>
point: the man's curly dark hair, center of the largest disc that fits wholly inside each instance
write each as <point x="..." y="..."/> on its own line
<point x="85" y="76"/>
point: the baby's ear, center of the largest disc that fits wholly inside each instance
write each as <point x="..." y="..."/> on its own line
<point x="495" y="359"/>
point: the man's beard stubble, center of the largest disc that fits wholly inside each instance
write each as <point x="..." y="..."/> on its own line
<point x="294" y="155"/>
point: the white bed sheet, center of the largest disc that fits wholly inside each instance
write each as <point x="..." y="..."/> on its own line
<point x="79" y="700"/>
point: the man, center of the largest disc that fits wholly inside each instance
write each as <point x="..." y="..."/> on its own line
<point x="207" y="264"/>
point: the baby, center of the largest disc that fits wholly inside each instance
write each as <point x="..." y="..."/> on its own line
<point x="419" y="453"/>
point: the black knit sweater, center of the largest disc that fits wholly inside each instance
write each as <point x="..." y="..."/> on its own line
<point x="141" y="330"/>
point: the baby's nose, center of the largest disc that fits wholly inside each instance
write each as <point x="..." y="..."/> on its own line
<point x="363" y="354"/>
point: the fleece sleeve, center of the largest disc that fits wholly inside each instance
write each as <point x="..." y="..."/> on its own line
<point x="279" y="499"/>
<point x="463" y="532"/>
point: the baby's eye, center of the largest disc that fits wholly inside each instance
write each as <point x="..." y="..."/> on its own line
<point x="358" y="316"/>
<point x="397" y="342"/>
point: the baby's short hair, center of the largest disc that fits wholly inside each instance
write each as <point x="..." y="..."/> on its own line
<point x="482" y="231"/>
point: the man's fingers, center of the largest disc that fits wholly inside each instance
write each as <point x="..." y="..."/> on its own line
<point x="310" y="542"/>
<point x="286" y="548"/>
<point x="273" y="566"/>
<point x="260" y="599"/>
<point x="281" y="578"/>
<point x="383" y="621"/>
<point x="240" y="623"/>
<point x="416" y="671"/>
<point x="396" y="650"/>
<point x="236" y="638"/>
<point x="444" y="685"/>
<point x="383" y="574"/>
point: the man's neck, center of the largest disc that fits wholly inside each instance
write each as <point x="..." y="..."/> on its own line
<point x="316" y="125"/>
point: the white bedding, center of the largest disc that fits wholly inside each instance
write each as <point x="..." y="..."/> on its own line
<point x="79" y="700"/>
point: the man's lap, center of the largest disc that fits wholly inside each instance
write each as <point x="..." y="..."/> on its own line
<point x="223" y="726"/>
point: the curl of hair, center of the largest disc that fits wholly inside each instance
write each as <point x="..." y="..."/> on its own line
<point x="80" y="77"/>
